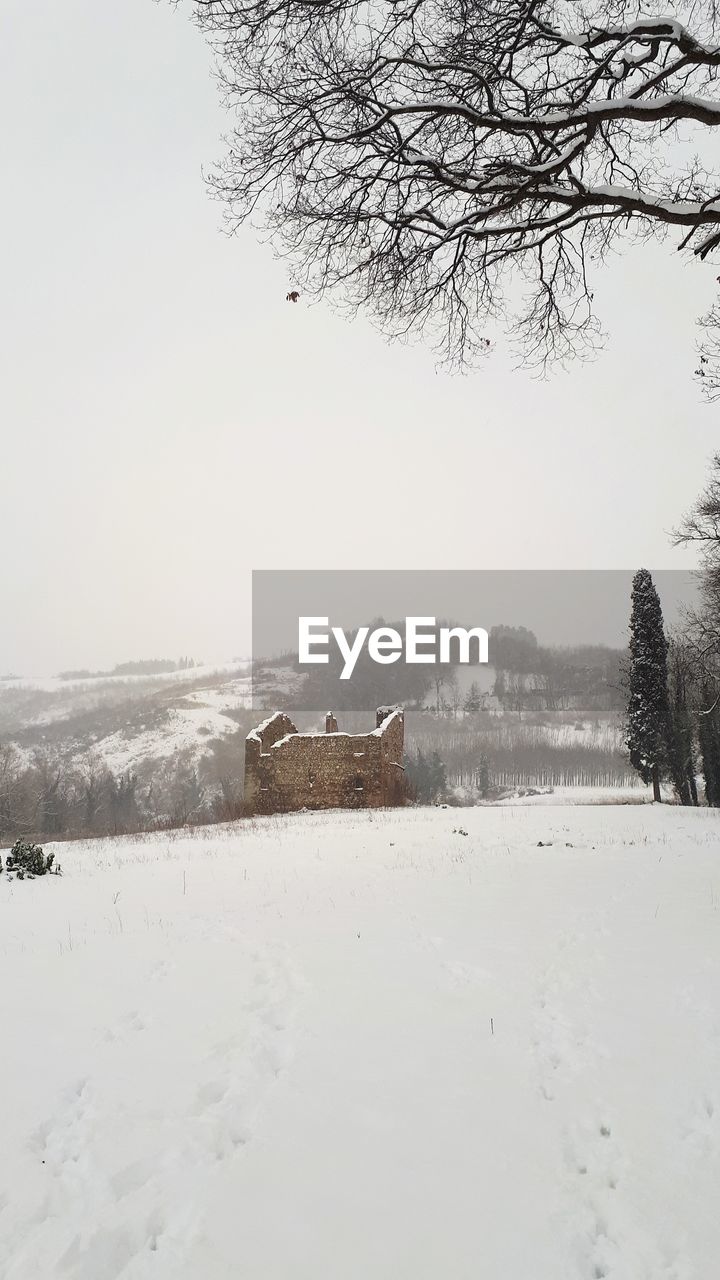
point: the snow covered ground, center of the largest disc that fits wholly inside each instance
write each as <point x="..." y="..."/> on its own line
<point x="630" y="794"/>
<point x="186" y="728"/>
<point x="351" y="1046"/>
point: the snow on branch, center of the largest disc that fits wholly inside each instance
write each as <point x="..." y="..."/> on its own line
<point x="417" y="157"/>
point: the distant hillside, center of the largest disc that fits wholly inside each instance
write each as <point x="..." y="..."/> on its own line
<point x="155" y="747"/>
<point x="126" y="751"/>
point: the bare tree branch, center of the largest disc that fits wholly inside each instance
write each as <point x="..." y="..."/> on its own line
<point x="433" y="160"/>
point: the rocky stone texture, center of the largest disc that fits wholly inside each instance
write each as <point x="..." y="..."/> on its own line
<point x="286" y="770"/>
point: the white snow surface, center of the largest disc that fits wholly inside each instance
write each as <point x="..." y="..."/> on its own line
<point x="341" y="1046"/>
<point x="106" y="680"/>
<point x="185" y="729"/>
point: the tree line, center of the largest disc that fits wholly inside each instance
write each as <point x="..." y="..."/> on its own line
<point x="46" y="796"/>
<point x="673" y="682"/>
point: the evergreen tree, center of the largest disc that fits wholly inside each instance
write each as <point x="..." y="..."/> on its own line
<point x="438" y="778"/>
<point x="499" y="688"/>
<point x="426" y="777"/>
<point x="647" y="724"/>
<point x="473" y="701"/>
<point x="416" y="776"/>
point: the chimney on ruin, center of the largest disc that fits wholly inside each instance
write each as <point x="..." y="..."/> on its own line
<point x="330" y="723"/>
<point x="382" y="713"/>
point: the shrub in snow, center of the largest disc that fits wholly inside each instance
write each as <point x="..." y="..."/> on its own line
<point x="28" y="860"/>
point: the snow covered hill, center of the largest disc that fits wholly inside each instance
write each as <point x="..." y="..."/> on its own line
<point x="128" y="722"/>
<point x="176" y="738"/>
<point x="368" y="1045"/>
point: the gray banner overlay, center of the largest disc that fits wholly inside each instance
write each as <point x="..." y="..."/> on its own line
<point x="563" y="610"/>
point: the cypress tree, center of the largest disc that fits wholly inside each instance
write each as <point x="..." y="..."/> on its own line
<point x="647" y="723"/>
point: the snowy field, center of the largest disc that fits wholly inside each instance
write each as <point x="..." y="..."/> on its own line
<point x="336" y="1047"/>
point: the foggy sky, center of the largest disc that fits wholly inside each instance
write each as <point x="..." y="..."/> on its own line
<point x="564" y="608"/>
<point x="170" y="423"/>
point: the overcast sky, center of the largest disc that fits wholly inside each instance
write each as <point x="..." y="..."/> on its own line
<point x="169" y="422"/>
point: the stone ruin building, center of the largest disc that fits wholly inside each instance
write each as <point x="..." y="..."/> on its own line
<point x="286" y="770"/>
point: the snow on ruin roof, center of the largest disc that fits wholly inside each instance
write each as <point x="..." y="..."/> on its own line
<point x="256" y="733"/>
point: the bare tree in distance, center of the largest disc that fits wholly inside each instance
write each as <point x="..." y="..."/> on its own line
<point x="451" y="164"/>
<point x="701" y="524"/>
<point x="701" y="527"/>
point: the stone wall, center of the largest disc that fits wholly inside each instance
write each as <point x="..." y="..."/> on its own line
<point x="286" y="770"/>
